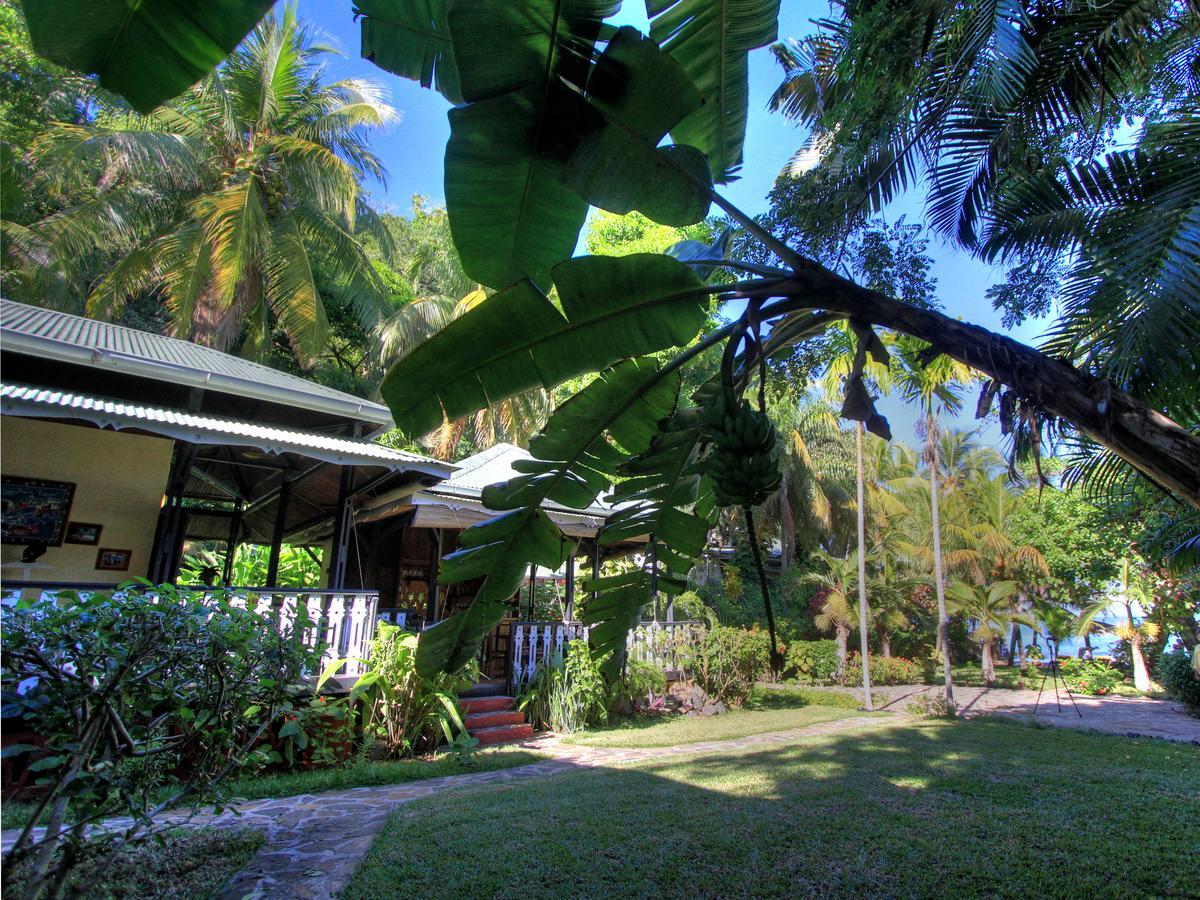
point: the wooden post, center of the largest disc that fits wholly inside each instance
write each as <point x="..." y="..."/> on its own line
<point x="435" y="560"/>
<point x="654" y="577"/>
<point x="285" y="492"/>
<point x="164" y="556"/>
<point x="569" y="609"/>
<point x="532" y="582"/>
<point x="595" y="566"/>
<point x="342" y="526"/>
<point x="231" y="544"/>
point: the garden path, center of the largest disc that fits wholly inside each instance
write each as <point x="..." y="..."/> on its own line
<point x="1130" y="716"/>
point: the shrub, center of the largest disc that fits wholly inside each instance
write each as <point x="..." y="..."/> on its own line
<point x="1177" y="674"/>
<point x="1089" y="677"/>
<point x="641" y="682"/>
<point x="931" y="706"/>
<point x="726" y="662"/>
<point x="885" y="670"/>
<point x="144" y="701"/>
<point x="566" y="694"/>
<point x="691" y="606"/>
<point x="408" y="714"/>
<point x="812" y="662"/>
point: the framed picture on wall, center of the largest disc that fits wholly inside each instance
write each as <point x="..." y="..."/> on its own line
<point x="33" y="510"/>
<point x="83" y="533"/>
<point x="113" y="560"/>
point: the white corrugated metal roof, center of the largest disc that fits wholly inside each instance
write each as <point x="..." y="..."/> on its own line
<point x="56" y="335"/>
<point x="24" y="400"/>
<point x="493" y="466"/>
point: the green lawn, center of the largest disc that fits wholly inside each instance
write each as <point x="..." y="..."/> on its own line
<point x="186" y="864"/>
<point x="914" y="808"/>
<point x="778" y="709"/>
<point x="360" y="773"/>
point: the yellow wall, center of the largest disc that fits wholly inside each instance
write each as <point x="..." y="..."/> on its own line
<point x="119" y="481"/>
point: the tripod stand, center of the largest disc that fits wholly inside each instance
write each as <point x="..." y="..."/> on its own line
<point x="1053" y="674"/>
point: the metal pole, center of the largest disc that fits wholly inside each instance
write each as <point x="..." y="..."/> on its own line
<point x="862" y="568"/>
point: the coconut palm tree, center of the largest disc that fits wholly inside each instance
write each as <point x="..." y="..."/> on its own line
<point x="991" y="610"/>
<point x="937" y="385"/>
<point x="227" y="202"/>
<point x="1133" y="588"/>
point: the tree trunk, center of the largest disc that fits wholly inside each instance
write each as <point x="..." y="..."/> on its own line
<point x="1016" y="656"/>
<point x="1141" y="675"/>
<point x="843" y="637"/>
<point x="863" y="618"/>
<point x="885" y="644"/>
<point x="943" y="636"/>
<point x="989" y="667"/>
<point x="1144" y="437"/>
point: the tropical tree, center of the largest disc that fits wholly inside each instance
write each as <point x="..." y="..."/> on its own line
<point x="991" y="612"/>
<point x="1132" y="587"/>
<point x="556" y="111"/>
<point x="937" y="386"/>
<point x="838" y="613"/>
<point x="225" y="203"/>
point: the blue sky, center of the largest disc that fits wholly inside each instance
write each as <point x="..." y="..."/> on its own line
<point x="412" y="152"/>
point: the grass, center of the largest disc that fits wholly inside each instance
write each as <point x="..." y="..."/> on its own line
<point x="911" y="808"/>
<point x="780" y="709"/>
<point x="192" y="863"/>
<point x="358" y="773"/>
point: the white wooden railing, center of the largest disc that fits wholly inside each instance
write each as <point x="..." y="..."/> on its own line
<point x="341" y="623"/>
<point x="662" y="644"/>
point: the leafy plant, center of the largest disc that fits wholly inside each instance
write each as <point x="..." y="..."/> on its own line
<point x="1089" y="677"/>
<point x="146" y="698"/>
<point x="931" y="706"/>
<point x="727" y="662"/>
<point x="567" y="693"/>
<point x="1177" y="673"/>
<point x="885" y="670"/>
<point x="405" y="711"/>
<point x="641" y="686"/>
<point x="813" y="662"/>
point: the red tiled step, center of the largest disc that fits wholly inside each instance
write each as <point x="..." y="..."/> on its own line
<point x="503" y="734"/>
<point x="476" y="721"/>
<point x="470" y="705"/>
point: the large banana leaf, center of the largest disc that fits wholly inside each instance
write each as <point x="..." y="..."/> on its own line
<point x="518" y="340"/>
<point x="500" y="551"/>
<point x="148" y="51"/>
<point x="640" y="93"/>
<point x="573" y="462"/>
<point x="711" y="39"/>
<point x="520" y="65"/>
<point x="411" y="38"/>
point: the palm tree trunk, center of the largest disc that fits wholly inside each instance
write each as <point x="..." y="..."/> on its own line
<point x="989" y="667"/>
<point x="843" y="638"/>
<point x="862" y="566"/>
<point x="885" y="644"/>
<point x="1015" y="656"/>
<point x="943" y="619"/>
<point x="1141" y="675"/>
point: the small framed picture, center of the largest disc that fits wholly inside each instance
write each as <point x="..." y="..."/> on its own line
<point x="83" y="533"/>
<point x="113" y="560"/>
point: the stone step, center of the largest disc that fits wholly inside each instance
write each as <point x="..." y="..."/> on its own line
<point x="503" y="734"/>
<point x="470" y="705"/>
<point x="478" y="720"/>
<point x="484" y="689"/>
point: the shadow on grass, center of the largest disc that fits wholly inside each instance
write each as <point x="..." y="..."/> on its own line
<point x="913" y="809"/>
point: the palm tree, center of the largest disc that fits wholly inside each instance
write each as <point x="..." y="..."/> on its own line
<point x="844" y="343"/>
<point x="991" y="611"/>
<point x="938" y="386"/>
<point x="838" y="614"/>
<point x="226" y="203"/>
<point x="1133" y="589"/>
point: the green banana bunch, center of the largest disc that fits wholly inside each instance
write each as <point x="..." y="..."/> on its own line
<point x="742" y="462"/>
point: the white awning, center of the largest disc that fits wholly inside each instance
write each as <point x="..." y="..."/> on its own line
<point x="35" y="402"/>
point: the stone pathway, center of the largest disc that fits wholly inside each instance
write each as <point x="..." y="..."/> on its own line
<point x="1130" y="716"/>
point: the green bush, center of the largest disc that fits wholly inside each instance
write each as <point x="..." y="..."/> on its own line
<point x="691" y="606"/>
<point x="885" y="670"/>
<point x="641" y="680"/>
<point x="812" y="662"/>
<point x="726" y="662"/>
<point x="566" y="694"/>
<point x="1177" y="675"/>
<point x="1089" y="677"/>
